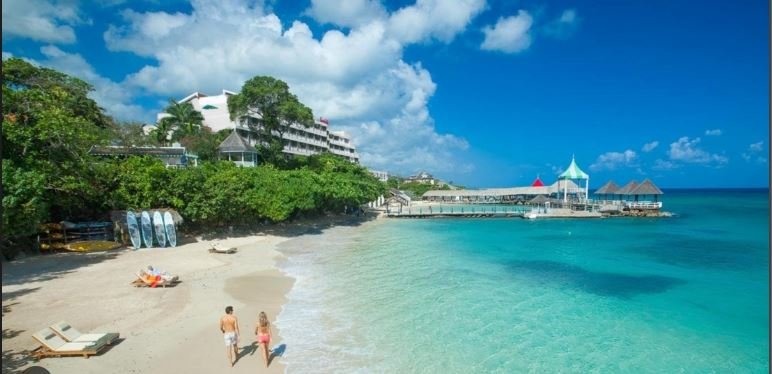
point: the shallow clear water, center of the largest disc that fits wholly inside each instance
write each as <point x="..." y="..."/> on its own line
<point x="681" y="294"/>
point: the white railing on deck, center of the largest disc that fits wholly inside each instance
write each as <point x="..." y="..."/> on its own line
<point x="643" y="204"/>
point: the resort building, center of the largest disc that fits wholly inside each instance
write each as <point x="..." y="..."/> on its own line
<point x="381" y="175"/>
<point x="172" y="157"/>
<point x="422" y="177"/>
<point x="298" y="139"/>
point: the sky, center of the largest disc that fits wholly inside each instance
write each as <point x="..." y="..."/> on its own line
<point x="483" y="93"/>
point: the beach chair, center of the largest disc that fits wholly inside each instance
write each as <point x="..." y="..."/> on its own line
<point x="70" y="334"/>
<point x="52" y="345"/>
<point x="219" y="248"/>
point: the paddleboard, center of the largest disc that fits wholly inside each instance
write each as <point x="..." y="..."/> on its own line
<point x="147" y="229"/>
<point x="131" y="222"/>
<point x="171" y="233"/>
<point x="158" y="224"/>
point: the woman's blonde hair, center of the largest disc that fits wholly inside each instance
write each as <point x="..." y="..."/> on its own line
<point x="263" y="319"/>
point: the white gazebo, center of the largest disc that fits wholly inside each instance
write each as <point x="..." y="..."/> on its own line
<point x="572" y="173"/>
<point x="236" y="149"/>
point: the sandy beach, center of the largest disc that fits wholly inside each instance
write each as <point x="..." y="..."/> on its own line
<point x="173" y="330"/>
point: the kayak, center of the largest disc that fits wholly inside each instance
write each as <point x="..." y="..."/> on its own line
<point x="92" y="246"/>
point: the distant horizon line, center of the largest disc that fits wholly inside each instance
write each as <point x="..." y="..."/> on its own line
<point x="662" y="188"/>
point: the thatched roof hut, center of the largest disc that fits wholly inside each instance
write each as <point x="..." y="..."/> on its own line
<point x="610" y="188"/>
<point x="540" y="199"/>
<point x="626" y="189"/>
<point x="647" y="187"/>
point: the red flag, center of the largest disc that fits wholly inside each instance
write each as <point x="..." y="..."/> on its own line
<point x="324" y="120"/>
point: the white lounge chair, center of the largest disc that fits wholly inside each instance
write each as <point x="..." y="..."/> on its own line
<point x="70" y="334"/>
<point x="52" y="344"/>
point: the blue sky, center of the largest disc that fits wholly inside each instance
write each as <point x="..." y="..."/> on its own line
<point x="483" y="93"/>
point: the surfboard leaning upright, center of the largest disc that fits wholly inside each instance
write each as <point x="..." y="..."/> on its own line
<point x="171" y="233"/>
<point x="131" y="222"/>
<point x="158" y="224"/>
<point x="147" y="229"/>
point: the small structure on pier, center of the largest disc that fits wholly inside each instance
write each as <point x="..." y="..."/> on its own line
<point x="610" y="188"/>
<point x="537" y="182"/>
<point x="646" y="188"/>
<point x="624" y="192"/>
<point x="574" y="173"/>
<point x="499" y="195"/>
<point x="630" y="195"/>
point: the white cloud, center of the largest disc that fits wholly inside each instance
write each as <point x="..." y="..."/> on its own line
<point x="660" y="164"/>
<point x="564" y="25"/>
<point x="433" y="19"/>
<point x="7" y="55"/>
<point x="686" y="150"/>
<point x="556" y="169"/>
<point x="648" y="147"/>
<point x="112" y="96"/>
<point x="613" y="160"/>
<point x="347" y="13"/>
<point x="713" y="132"/>
<point x="510" y="34"/>
<point x="41" y="20"/>
<point x="753" y="150"/>
<point x="357" y="79"/>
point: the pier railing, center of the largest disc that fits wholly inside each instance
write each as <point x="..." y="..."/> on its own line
<point x="459" y="212"/>
<point x="643" y="205"/>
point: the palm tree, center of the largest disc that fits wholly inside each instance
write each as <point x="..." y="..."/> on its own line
<point x="183" y="119"/>
<point x="161" y="132"/>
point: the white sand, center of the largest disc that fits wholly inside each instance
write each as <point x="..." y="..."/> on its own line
<point x="163" y="330"/>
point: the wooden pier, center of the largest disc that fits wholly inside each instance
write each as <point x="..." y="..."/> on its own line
<point x="436" y="212"/>
<point x="455" y="214"/>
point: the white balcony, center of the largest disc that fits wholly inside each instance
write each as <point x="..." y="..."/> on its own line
<point x="309" y="129"/>
<point x="298" y="151"/>
<point x="305" y="140"/>
<point x="341" y="142"/>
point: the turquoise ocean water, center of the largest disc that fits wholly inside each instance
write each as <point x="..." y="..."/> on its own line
<point x="681" y="294"/>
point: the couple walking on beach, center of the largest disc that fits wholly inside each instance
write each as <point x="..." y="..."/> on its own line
<point x="229" y="325"/>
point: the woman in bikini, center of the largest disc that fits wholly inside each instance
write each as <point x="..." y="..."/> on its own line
<point x="263" y="332"/>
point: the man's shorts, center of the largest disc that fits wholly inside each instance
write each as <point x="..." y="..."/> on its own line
<point x="230" y="338"/>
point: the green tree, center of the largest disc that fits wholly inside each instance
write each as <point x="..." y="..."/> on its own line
<point x="183" y="119"/>
<point x="161" y="133"/>
<point x="268" y="107"/>
<point x="130" y="134"/>
<point x="49" y="125"/>
<point x="393" y="182"/>
<point x="204" y="144"/>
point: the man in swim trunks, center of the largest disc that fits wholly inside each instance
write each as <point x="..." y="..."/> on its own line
<point x="229" y="325"/>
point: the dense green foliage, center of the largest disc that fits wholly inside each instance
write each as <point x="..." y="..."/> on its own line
<point x="49" y="125"/>
<point x="220" y="193"/>
<point x="131" y="134"/>
<point x="270" y="100"/>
